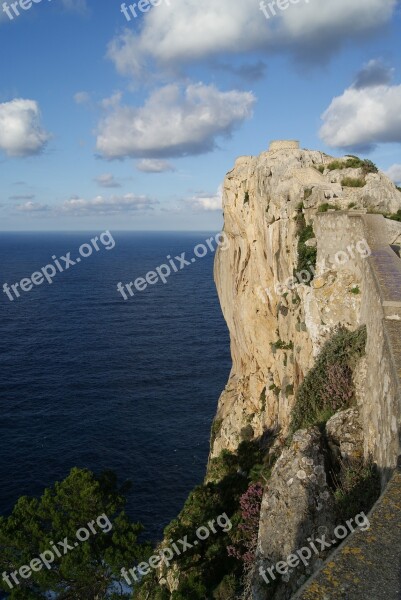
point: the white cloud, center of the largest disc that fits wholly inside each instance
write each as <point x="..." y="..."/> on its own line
<point x="107" y="180"/>
<point x="394" y="173"/>
<point x="33" y="207"/>
<point x="21" y="133"/>
<point x="82" y="98"/>
<point x="173" y="122"/>
<point x="363" y="118"/>
<point x="129" y="203"/>
<point x="193" y="30"/>
<point x="204" y="202"/>
<point x="149" y="165"/>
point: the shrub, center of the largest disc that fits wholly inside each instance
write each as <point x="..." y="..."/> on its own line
<point x="369" y="167"/>
<point x="247" y="433"/>
<point x="227" y="589"/>
<point x="396" y="216"/>
<point x="398" y="188"/>
<point x="247" y="532"/>
<point x="308" y="193"/>
<point x="321" y="168"/>
<point x="216" y="426"/>
<point x="328" y="386"/>
<point x="352" y="205"/>
<point x="280" y="345"/>
<point x="353" y="182"/>
<point x="246" y="198"/>
<point x="335" y="164"/>
<point x="327" y="206"/>
<point x="357" y="488"/>
<point x="355" y="290"/>
<point x="306" y="255"/>
<point x="353" y="162"/>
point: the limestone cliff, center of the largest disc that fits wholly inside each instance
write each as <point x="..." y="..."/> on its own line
<point x="275" y="335"/>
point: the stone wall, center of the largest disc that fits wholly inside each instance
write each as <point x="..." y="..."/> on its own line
<point x="380" y="276"/>
<point x="283" y="145"/>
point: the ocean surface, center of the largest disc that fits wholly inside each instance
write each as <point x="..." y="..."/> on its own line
<point x="90" y="380"/>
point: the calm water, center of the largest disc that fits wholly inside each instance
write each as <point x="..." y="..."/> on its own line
<point x="89" y="380"/>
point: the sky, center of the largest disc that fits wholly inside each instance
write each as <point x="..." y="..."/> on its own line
<point x="128" y="117"/>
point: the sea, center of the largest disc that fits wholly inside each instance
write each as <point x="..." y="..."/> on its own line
<point x="91" y="380"/>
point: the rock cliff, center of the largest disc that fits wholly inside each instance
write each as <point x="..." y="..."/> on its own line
<point x="278" y="329"/>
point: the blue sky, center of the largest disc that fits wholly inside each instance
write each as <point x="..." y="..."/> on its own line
<point x="110" y="124"/>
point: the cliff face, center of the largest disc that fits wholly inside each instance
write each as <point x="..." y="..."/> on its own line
<point x="277" y="329"/>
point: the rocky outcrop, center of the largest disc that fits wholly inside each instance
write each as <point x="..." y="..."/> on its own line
<point x="345" y="435"/>
<point x="297" y="506"/>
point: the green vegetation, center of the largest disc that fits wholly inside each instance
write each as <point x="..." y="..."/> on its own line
<point x="306" y="255"/>
<point x="246" y="198"/>
<point x="280" y="345"/>
<point x="398" y="188"/>
<point x="355" y="290"/>
<point x="92" y="568"/>
<point x="321" y="168"/>
<point x="263" y="400"/>
<point x="247" y="433"/>
<point x="357" y="488"/>
<point x="328" y="387"/>
<point x="353" y="182"/>
<point x="352" y="205"/>
<point x="336" y="164"/>
<point x="275" y="389"/>
<point x="327" y="206"/>
<point x="353" y="162"/>
<point x="395" y="217"/>
<point x="207" y="570"/>
<point x="216" y="426"/>
<point x="308" y="193"/>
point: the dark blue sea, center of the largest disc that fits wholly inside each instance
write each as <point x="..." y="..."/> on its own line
<point x="90" y="380"/>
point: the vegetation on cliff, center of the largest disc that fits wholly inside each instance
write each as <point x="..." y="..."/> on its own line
<point x="328" y="387"/>
<point x="216" y="567"/>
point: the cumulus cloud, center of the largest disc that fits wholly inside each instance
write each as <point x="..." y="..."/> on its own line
<point x="32" y="207"/>
<point x="372" y="74"/>
<point x="363" y="117"/>
<point x="394" y="173"/>
<point x="129" y="203"/>
<point x="173" y="122"/>
<point x="149" y="165"/>
<point x="204" y="202"/>
<point x="107" y="180"/>
<point x="196" y="31"/>
<point x="21" y="133"/>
